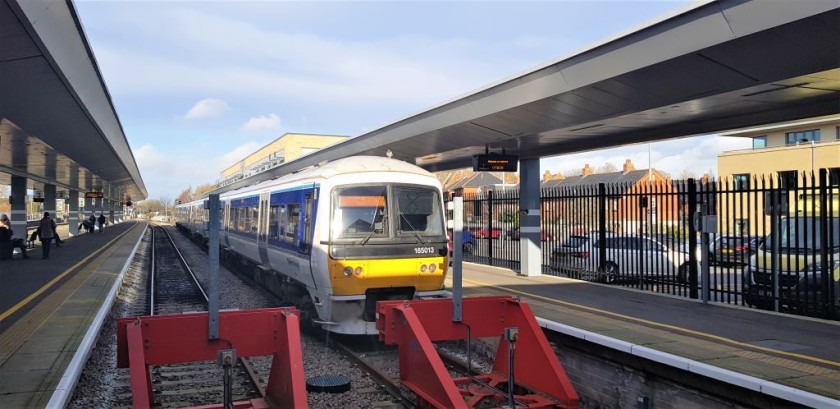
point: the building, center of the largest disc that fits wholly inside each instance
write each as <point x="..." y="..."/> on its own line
<point x="287" y="147"/>
<point x="633" y="197"/>
<point x="781" y="151"/>
<point x="785" y="156"/>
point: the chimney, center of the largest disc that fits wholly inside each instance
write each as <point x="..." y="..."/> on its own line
<point x="558" y="176"/>
<point x="546" y="176"/>
<point x="587" y="170"/>
<point x="628" y="166"/>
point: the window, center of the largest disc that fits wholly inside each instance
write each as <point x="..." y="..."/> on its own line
<point x="741" y="181"/>
<point x="793" y="138"/>
<point x="273" y="222"/>
<point x="787" y="179"/>
<point x="742" y="226"/>
<point x="760" y="142"/>
<point x="838" y="132"/>
<point x="360" y="212"/>
<point x="418" y="211"/>
<point x="292" y="222"/>
<point x="834" y="177"/>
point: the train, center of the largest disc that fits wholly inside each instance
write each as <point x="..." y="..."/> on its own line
<point x="336" y="238"/>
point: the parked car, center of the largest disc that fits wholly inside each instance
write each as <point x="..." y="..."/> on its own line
<point x="735" y="250"/>
<point x="627" y="257"/>
<point x="483" y="233"/>
<point x="572" y="257"/>
<point x="467" y="242"/>
<point x="513" y="234"/>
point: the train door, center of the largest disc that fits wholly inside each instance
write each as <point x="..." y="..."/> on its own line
<point x="306" y="245"/>
<point x="224" y="224"/>
<point x="262" y="230"/>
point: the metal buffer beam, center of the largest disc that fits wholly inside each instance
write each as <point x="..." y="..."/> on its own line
<point x="173" y="339"/>
<point x="540" y="381"/>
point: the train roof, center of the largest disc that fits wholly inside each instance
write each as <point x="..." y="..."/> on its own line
<point x="349" y="165"/>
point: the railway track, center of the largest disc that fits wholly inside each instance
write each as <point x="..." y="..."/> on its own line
<point x="379" y="361"/>
<point x="174" y="289"/>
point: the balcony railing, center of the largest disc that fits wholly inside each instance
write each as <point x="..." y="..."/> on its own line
<point x="800" y="145"/>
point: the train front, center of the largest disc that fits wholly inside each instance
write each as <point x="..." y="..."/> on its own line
<point x="387" y="242"/>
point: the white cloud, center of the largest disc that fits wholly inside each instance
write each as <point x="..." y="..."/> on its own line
<point x="267" y="62"/>
<point x="258" y="123"/>
<point x="206" y="108"/>
<point x="239" y="153"/>
<point x="168" y="174"/>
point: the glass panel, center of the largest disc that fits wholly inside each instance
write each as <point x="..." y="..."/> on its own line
<point x="741" y="181"/>
<point x="360" y="212"/>
<point x="793" y="138"/>
<point x="418" y="210"/>
<point x="293" y="211"/>
<point x="273" y="225"/>
<point x="759" y="142"/>
<point x="803" y="235"/>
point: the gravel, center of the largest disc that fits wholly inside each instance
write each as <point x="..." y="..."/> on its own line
<point x="102" y="385"/>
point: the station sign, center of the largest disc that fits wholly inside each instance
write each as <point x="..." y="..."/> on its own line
<point x="38" y="199"/>
<point x="495" y="163"/>
<point x="94" y="195"/>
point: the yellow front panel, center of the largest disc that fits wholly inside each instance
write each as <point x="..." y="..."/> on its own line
<point x="387" y="273"/>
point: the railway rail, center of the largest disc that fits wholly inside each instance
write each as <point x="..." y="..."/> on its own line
<point x="173" y="289"/>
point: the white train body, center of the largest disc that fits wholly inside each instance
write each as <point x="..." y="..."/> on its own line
<point x="336" y="238"/>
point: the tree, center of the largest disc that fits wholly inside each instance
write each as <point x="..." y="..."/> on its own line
<point x="686" y="174"/>
<point x="202" y="190"/>
<point x="573" y="172"/>
<point x="148" y="207"/>
<point x="185" y="196"/>
<point x="167" y="203"/>
<point x="607" y="168"/>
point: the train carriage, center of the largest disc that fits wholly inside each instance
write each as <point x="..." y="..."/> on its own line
<point x="336" y="238"/>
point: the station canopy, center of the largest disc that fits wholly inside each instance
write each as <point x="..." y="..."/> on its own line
<point x="58" y="125"/>
<point x="706" y="68"/>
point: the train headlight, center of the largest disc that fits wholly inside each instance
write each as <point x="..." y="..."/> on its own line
<point x="422" y="268"/>
<point x="432" y="267"/>
<point x="348" y="271"/>
<point x="358" y="271"/>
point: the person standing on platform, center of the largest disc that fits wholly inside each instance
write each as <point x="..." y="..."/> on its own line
<point x="46" y="228"/>
<point x="101" y="221"/>
<point x="91" y="223"/>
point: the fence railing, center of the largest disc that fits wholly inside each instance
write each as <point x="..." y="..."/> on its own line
<point x="757" y="241"/>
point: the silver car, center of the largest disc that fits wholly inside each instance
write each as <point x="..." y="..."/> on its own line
<point x="626" y="257"/>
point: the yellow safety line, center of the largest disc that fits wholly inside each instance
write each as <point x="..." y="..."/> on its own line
<point x="47" y="286"/>
<point x="666" y="326"/>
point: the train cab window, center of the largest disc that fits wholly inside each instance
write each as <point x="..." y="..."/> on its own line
<point x="418" y="211"/>
<point x="360" y="212"/>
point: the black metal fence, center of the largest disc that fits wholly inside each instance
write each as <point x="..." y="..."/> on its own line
<point x="771" y="243"/>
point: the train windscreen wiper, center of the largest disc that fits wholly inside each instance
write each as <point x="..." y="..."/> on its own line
<point x="373" y="227"/>
<point x="413" y="230"/>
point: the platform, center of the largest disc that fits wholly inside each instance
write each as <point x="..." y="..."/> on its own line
<point x="778" y="354"/>
<point x="47" y="306"/>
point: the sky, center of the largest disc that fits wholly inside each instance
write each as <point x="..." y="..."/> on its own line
<point x="198" y="85"/>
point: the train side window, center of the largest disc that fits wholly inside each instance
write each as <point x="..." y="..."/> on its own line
<point x="293" y="211"/>
<point x="253" y="219"/>
<point x="240" y="219"/>
<point x="273" y="218"/>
